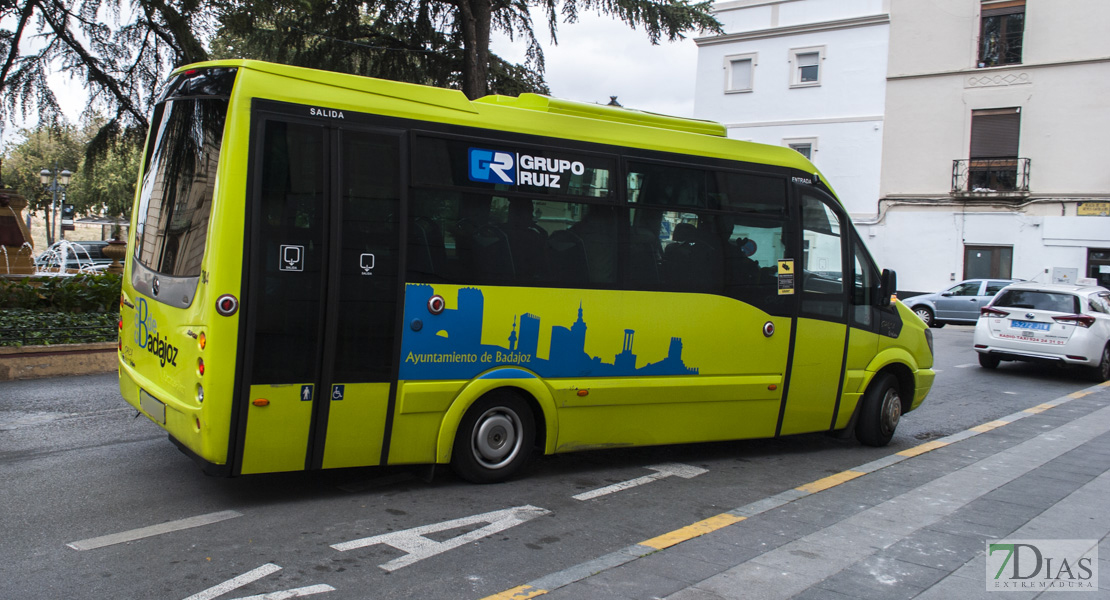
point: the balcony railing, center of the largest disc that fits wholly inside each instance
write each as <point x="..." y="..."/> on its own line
<point x="990" y="177"/>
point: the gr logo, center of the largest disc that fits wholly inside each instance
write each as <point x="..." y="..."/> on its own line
<point x="491" y="166"/>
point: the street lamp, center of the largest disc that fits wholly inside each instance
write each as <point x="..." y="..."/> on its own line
<point x="54" y="181"/>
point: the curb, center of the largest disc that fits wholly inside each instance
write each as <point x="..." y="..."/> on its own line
<point x="34" y="362"/>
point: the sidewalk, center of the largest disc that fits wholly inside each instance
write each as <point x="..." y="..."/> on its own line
<point x="911" y="525"/>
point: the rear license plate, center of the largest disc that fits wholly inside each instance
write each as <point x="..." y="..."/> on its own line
<point x="1030" y="325"/>
<point x="152" y="407"/>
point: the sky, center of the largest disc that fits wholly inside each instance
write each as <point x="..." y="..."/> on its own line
<point x="599" y="57"/>
<point x="596" y="58"/>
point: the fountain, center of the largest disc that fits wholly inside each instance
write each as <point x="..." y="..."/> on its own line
<point x="16" y="247"/>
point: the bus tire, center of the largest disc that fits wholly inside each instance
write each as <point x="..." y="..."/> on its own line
<point x="495" y="438"/>
<point x="880" y="412"/>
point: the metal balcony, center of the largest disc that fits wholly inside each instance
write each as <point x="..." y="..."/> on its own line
<point x="990" y="177"/>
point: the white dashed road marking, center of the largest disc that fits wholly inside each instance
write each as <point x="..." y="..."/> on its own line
<point x="145" y="532"/>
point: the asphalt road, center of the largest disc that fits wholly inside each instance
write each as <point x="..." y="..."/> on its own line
<point x="80" y="474"/>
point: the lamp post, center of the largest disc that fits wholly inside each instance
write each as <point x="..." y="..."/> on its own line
<point x="54" y="181"/>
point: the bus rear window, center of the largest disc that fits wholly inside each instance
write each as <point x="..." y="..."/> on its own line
<point x="177" y="186"/>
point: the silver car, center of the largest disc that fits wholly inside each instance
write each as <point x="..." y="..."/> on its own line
<point x="957" y="304"/>
<point x="1047" y="322"/>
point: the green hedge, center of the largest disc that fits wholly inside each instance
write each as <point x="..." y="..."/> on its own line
<point x="77" y="294"/>
<point x="20" y="327"/>
<point x="59" y="310"/>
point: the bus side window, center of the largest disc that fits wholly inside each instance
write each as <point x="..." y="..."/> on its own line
<point x="671" y="203"/>
<point x="757" y="236"/>
<point x="865" y="285"/>
<point x="822" y="264"/>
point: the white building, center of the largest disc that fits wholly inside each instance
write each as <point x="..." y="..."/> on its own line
<point x="962" y="135"/>
<point x="995" y="110"/>
<point x="808" y="74"/>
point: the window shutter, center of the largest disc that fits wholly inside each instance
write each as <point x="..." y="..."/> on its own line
<point x="741" y="74"/>
<point x="994" y="133"/>
<point x="991" y="9"/>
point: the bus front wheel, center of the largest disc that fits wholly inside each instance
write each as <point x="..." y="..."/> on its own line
<point x="880" y="412"/>
<point x="495" y="438"/>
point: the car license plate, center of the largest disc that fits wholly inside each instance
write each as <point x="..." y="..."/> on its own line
<point x="1030" y="325"/>
<point x="152" y="407"/>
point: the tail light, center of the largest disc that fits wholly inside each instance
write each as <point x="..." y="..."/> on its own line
<point x="1084" y="321"/>
<point x="988" y="311"/>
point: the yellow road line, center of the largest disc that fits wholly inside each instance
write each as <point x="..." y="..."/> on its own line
<point x="830" y="481"/>
<point x="521" y="592"/>
<point x="985" y="427"/>
<point x="1080" y="394"/>
<point x="1040" y="408"/>
<point x="692" y="531"/>
<point x="923" y="448"/>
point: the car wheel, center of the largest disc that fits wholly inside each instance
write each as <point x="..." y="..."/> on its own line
<point x="988" y="361"/>
<point x="925" y="314"/>
<point x="1102" y="371"/>
<point x="880" y="412"/>
<point x="495" y="438"/>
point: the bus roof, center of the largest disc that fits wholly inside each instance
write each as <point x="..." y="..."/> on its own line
<point x="567" y="118"/>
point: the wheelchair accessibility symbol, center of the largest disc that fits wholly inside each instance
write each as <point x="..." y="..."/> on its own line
<point x="336" y="392"/>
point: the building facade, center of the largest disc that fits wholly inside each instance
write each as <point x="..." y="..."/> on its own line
<point x="958" y="133"/>
<point x="808" y="74"/>
<point x="993" y="108"/>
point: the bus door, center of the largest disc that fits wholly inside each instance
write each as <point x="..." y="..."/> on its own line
<point x="821" y="336"/>
<point x="321" y="297"/>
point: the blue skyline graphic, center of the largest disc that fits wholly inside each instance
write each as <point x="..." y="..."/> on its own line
<point x="449" y="345"/>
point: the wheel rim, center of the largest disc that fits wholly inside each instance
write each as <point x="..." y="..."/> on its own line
<point x="891" y="412"/>
<point x="1104" y="366"/>
<point x="924" y="315"/>
<point x="496" y="438"/>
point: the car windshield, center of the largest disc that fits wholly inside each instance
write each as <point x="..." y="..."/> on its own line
<point x="1038" y="300"/>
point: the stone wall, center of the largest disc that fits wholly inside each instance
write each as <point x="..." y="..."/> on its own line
<point x="33" y="362"/>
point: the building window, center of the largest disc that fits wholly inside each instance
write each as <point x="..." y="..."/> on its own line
<point x="988" y="262"/>
<point x="738" y="72"/>
<point x="806" y="66"/>
<point x="1001" y="29"/>
<point x="803" y="146"/>
<point x="994" y="149"/>
<point x="1098" y="265"/>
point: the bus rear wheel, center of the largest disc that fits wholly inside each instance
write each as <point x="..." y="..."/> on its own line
<point x="880" y="412"/>
<point x="495" y="438"/>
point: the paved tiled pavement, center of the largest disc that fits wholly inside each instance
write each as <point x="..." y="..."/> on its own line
<point x="912" y="525"/>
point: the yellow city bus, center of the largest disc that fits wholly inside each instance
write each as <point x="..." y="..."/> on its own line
<point x="334" y="271"/>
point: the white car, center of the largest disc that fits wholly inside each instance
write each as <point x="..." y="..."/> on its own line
<point x="1047" y="322"/>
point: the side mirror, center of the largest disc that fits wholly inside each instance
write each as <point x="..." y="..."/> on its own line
<point x="946" y="294"/>
<point x="888" y="283"/>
